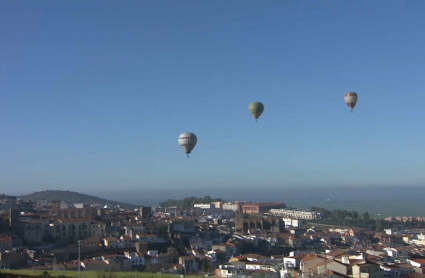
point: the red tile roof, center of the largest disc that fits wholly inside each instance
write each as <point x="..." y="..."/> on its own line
<point x="5" y="239"/>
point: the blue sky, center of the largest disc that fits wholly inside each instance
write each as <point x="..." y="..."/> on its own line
<point x="94" y="94"/>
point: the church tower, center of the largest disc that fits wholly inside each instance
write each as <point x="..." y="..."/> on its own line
<point x="56" y="205"/>
<point x="239" y="219"/>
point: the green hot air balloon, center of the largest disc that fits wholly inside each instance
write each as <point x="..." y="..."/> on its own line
<point x="256" y="109"/>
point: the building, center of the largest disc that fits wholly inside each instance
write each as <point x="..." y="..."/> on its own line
<point x="367" y="269"/>
<point x="32" y="230"/>
<point x="7" y="202"/>
<point x="136" y="259"/>
<point x="160" y="229"/>
<point x="391" y="239"/>
<point x="25" y="205"/>
<point x="230" y="206"/>
<point x="70" y="230"/>
<point x="292" y="222"/>
<point x="270" y="223"/>
<point x="297" y="214"/>
<point x="189" y="263"/>
<point x="5" y="243"/>
<point x="57" y="205"/>
<point x="97" y="228"/>
<point x="111" y="242"/>
<point x="74" y="212"/>
<point x="204" y="206"/>
<point x="218" y="205"/>
<point x="256" y="208"/>
<point x="90" y="242"/>
<point x="145" y="212"/>
<point x="179" y="226"/>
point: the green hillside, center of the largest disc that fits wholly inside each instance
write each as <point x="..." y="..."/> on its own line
<point x="73" y="197"/>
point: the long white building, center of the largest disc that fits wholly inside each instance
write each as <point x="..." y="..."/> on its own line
<point x="297" y="214"/>
<point x="204" y="206"/>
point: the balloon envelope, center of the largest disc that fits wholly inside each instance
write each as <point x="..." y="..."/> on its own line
<point x="351" y="99"/>
<point x="256" y="109"/>
<point x="187" y="141"/>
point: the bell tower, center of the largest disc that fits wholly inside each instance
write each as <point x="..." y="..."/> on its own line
<point x="239" y="218"/>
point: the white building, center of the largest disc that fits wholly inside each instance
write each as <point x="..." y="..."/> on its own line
<point x="218" y="205"/>
<point x="292" y="222"/>
<point x="135" y="258"/>
<point x="421" y="236"/>
<point x="111" y="242"/>
<point x="340" y="231"/>
<point x="297" y="214"/>
<point x="230" y="206"/>
<point x="290" y="262"/>
<point x="126" y="242"/>
<point x="154" y="256"/>
<point x="225" y="271"/>
<point x="63" y="205"/>
<point x="204" y="206"/>
<point x="146" y="238"/>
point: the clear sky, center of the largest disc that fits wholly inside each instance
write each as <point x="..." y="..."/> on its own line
<point x="94" y="94"/>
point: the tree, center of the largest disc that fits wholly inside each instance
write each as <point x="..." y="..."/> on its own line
<point x="379" y="225"/>
<point x="355" y="215"/>
<point x="365" y="219"/>
<point x="205" y="265"/>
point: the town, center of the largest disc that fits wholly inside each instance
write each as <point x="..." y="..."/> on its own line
<point x="222" y="239"/>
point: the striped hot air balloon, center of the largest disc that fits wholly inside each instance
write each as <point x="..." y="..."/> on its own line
<point x="256" y="109"/>
<point x="351" y="100"/>
<point x="188" y="141"/>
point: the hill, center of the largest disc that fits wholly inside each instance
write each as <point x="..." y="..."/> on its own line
<point x="73" y="197"/>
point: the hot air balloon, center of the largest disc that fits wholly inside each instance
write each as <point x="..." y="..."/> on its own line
<point x="351" y="100"/>
<point x="256" y="109"/>
<point x="187" y="141"/>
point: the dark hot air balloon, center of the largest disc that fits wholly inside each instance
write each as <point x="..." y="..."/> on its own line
<point x="256" y="109"/>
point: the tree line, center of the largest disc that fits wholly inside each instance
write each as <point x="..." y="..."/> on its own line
<point x="353" y="218"/>
<point x="341" y="214"/>
<point x="189" y="202"/>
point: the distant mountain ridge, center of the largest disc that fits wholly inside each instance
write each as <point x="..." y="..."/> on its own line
<point x="73" y="197"/>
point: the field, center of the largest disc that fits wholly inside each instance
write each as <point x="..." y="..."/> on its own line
<point x="91" y="274"/>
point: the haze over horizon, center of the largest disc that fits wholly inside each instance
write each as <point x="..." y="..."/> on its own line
<point x="263" y="193"/>
<point x="380" y="202"/>
<point x="94" y="97"/>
